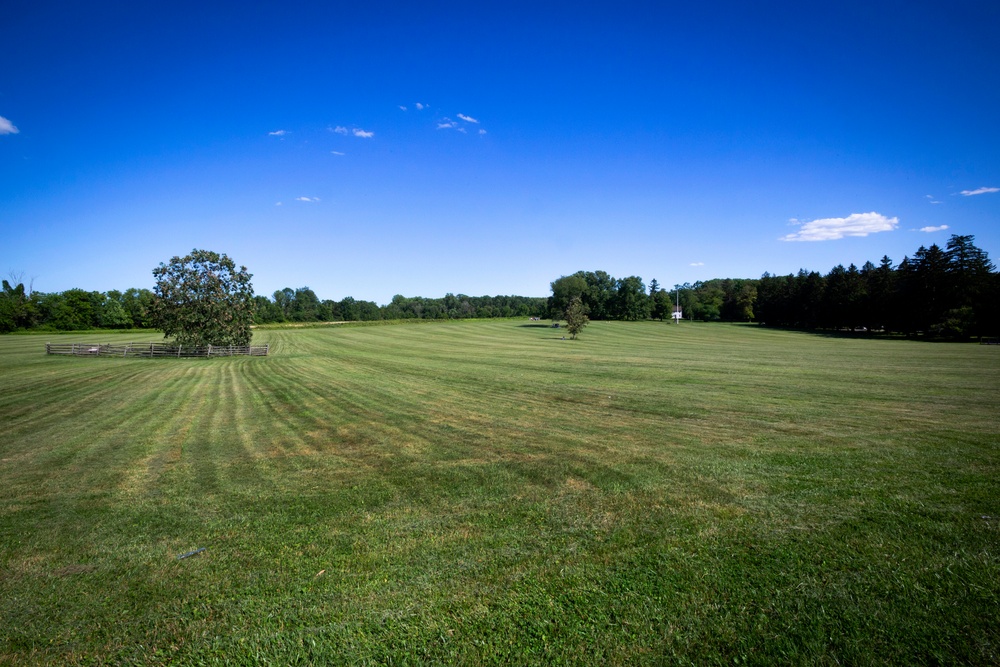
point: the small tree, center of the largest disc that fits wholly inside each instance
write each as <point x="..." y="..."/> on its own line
<point x="201" y="299"/>
<point x="576" y="317"/>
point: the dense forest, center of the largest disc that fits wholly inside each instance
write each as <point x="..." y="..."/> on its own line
<point x="951" y="292"/>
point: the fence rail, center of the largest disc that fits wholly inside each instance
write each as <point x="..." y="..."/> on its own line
<point x="154" y="350"/>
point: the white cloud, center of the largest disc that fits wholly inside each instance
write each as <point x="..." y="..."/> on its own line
<point x="338" y="153"/>
<point x="402" y="108"/>
<point x="931" y="200"/>
<point x="278" y="203"/>
<point x="939" y="228"/>
<point x="308" y="199"/>
<point x="420" y="106"/>
<point x="7" y="127"/>
<point x="831" y="229"/>
<point x="357" y="131"/>
<point x="449" y="124"/>
<point x="979" y="191"/>
<point x="697" y="264"/>
<point x="277" y="133"/>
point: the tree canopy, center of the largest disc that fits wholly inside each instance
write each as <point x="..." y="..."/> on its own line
<point x="202" y="299"/>
<point x="15" y="307"/>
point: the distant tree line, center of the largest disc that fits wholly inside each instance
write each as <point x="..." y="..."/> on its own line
<point x="76" y="309"/>
<point x="605" y="297"/>
<point x="302" y="305"/>
<point x="951" y="292"/>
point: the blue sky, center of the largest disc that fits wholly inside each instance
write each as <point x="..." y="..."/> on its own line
<point x="370" y="149"/>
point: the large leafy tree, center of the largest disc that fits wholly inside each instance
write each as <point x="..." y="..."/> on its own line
<point x="738" y="299"/>
<point x="202" y="299"/>
<point x="662" y="305"/>
<point x="16" y="307"/>
<point x="138" y="303"/>
<point x="600" y="294"/>
<point x="564" y="290"/>
<point x="113" y="314"/>
<point x="631" y="302"/>
<point x="305" y="305"/>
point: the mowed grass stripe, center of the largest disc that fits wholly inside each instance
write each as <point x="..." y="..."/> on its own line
<point x="490" y="493"/>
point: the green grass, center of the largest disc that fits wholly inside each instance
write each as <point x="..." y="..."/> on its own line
<point x="485" y="492"/>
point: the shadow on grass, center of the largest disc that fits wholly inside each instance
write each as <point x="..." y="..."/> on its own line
<point x="872" y="335"/>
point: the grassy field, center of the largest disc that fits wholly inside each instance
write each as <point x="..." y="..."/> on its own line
<point x="486" y="492"/>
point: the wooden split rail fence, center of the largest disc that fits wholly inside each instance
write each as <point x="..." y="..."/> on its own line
<point x="154" y="350"/>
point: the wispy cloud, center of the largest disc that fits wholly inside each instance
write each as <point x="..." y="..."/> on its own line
<point x="338" y="153"/>
<point x="402" y="108"/>
<point x="356" y="131"/>
<point x="277" y="133"/>
<point x="979" y="191"/>
<point x="420" y="106"/>
<point x="931" y="200"/>
<point x="697" y="264"/>
<point x="278" y="203"/>
<point x="831" y="229"/>
<point x="308" y="199"/>
<point x="463" y="126"/>
<point x="928" y="230"/>
<point x="7" y="127"/>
